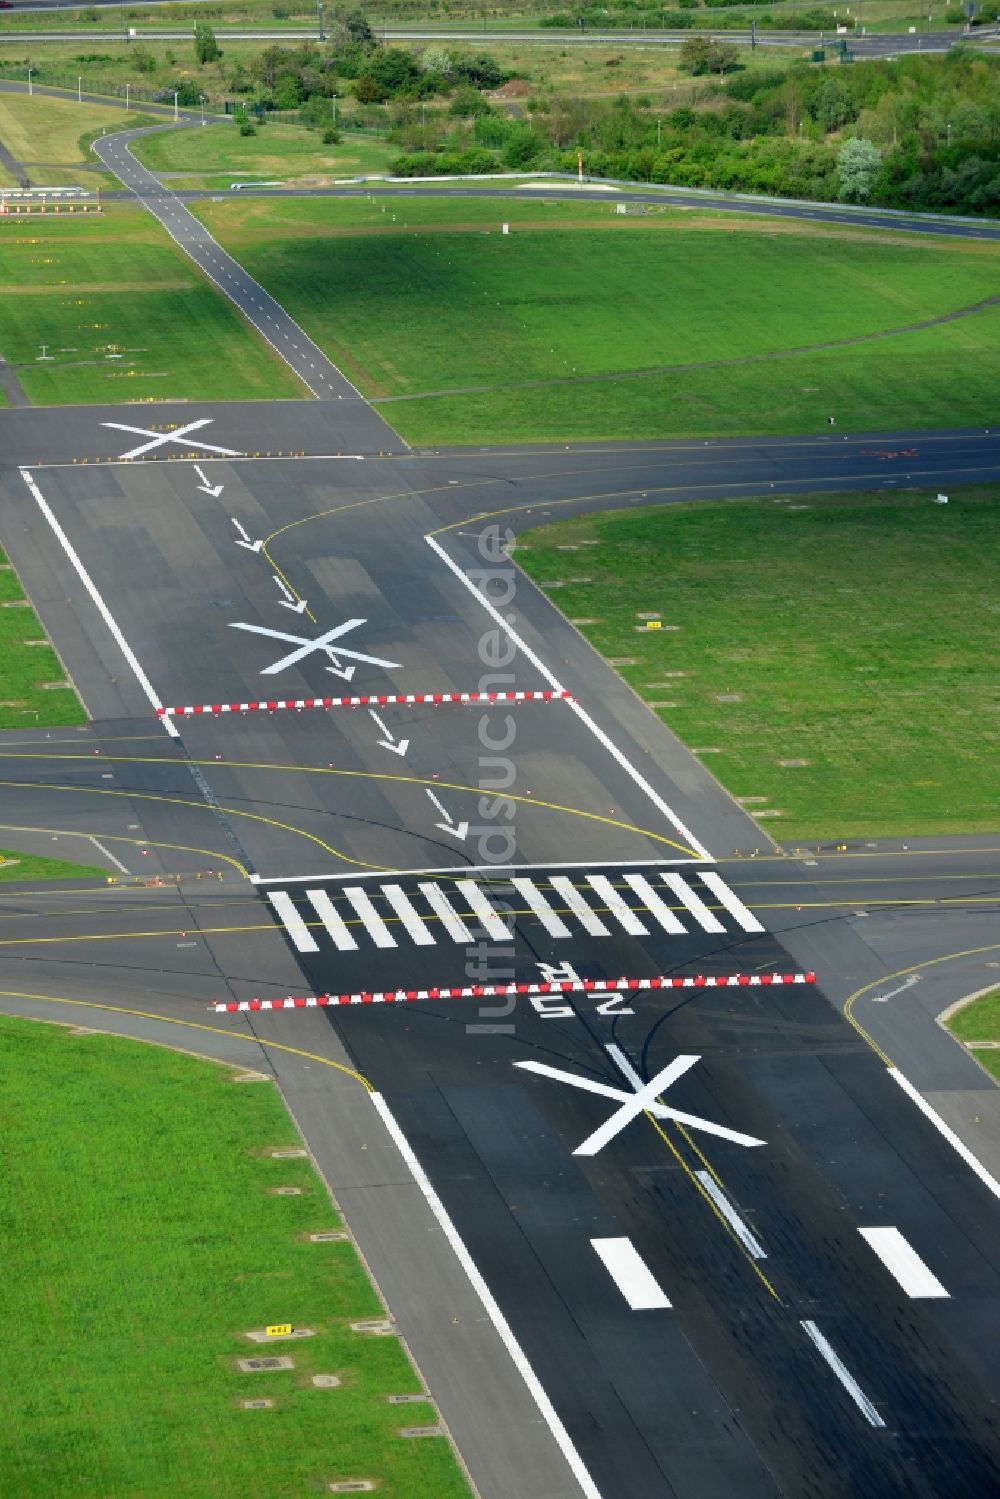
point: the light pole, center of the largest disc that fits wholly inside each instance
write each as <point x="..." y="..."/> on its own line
<point x="29" y="82"/>
<point x="176" y="115"/>
<point x="333" y="106"/>
<point x="127" y="87"/>
<point x="319" y="16"/>
<point x="202" y="100"/>
<point x="79" y="91"/>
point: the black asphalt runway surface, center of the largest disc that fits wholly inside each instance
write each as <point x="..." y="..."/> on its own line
<point x="734" y="1254"/>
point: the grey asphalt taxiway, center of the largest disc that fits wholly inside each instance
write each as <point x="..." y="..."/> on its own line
<point x="687" y="1241"/>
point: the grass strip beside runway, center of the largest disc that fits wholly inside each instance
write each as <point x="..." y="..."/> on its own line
<point x="620" y="327"/>
<point x="832" y="657"/>
<point x="108" y="309"/>
<point x="27" y="663"/>
<point x="141" y="1238"/>
<point x="15" y="866"/>
<point x="979" y="1021"/>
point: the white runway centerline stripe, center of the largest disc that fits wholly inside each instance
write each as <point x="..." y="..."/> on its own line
<point x="332" y="920"/>
<point x="844" y="1374"/>
<point x="631" y="1274"/>
<point x="752" y="1246"/>
<point x="730" y="901"/>
<point x="291" y="920"/>
<point x="553" y="924"/>
<point x="603" y="887"/>
<point x="902" y="1260"/>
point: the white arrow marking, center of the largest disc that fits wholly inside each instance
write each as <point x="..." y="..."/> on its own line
<point x="251" y="546"/>
<point x="642" y="1100"/>
<point x="213" y="489"/>
<point x="880" y="999"/>
<point x="297" y="606"/>
<point x="458" y="830"/>
<point x="389" y="742"/>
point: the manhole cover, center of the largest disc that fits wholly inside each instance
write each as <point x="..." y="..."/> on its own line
<point x="258" y="1405"/>
<point x="330" y="1236"/>
<point x="421" y="1431"/>
<point x="257" y="1365"/>
<point x="326" y="1381"/>
<point x="408" y="1399"/>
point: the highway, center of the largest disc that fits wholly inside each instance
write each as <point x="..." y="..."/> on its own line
<point x="771" y="1273"/>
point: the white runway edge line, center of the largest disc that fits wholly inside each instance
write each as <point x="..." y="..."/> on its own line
<point x="902" y="1261"/>
<point x="99" y="603"/>
<point x="503" y="991"/>
<point x="631" y="1274"/>
<point x="857" y="1394"/>
<point x="580" y="712"/>
<point x="963" y="1150"/>
<point x="496" y="1316"/>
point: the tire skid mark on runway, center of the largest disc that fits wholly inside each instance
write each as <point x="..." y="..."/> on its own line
<point x="322" y="770"/>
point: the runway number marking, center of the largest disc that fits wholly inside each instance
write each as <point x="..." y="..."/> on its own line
<point x="554" y="1006"/>
<point x="178" y="435"/>
<point x="304" y="647"/>
<point x="643" y="1099"/>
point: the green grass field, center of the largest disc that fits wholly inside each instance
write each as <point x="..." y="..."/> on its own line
<point x="26" y="662"/>
<point x="597" y="311"/>
<point x="139" y="1243"/>
<point x="17" y="866"/>
<point x="980" y="1021"/>
<point x="123" y="316"/>
<point x="219" y="154"/>
<point x="46" y="132"/>
<point x="837" y="651"/>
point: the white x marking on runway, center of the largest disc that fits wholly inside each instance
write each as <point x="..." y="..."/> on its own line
<point x="643" y="1100"/>
<point x="179" y="434"/>
<point x="305" y="646"/>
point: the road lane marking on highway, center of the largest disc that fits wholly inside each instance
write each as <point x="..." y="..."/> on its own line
<point x="98" y="601"/>
<point x="178" y="435"/>
<point x="850" y="1384"/>
<point x="642" y="1100"/>
<point x="489" y="1301"/>
<point x="631" y="1274"/>
<point x="904" y="1263"/>
<point x="599" y="734"/>
<point x="752" y="1245"/>
<point x="612" y="916"/>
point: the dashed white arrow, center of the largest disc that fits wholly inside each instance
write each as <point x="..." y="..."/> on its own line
<point x="397" y="746"/>
<point x="297" y="606"/>
<point x="213" y="489"/>
<point x="251" y="546"/>
<point x="459" y="830"/>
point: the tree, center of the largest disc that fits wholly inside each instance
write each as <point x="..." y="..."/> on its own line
<point x="206" y="48"/>
<point x="436" y="60"/>
<point x="359" y="33"/>
<point x="701" y="55"/>
<point x="857" y="167"/>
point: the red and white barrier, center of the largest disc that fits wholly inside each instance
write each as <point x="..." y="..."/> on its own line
<point x="385" y="700"/>
<point x="501" y="991"/>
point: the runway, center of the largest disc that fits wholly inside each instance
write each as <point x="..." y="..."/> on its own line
<point x="727" y="1251"/>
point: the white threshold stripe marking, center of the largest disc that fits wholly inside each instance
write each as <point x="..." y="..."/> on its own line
<point x="332" y="920"/>
<point x="567" y="891"/>
<point x="654" y="904"/>
<point x="902" y="1261"/>
<point x="603" y="887"/>
<point x="496" y="1316"/>
<point x="705" y="918"/>
<point x="730" y="901"/>
<point x="753" y="1246"/>
<point x="844" y="1374"/>
<point x="530" y="893"/>
<point x="101" y="606"/>
<point x="482" y="910"/>
<point x="442" y="907"/>
<point x="963" y="1150"/>
<point x="631" y="1274"/>
<point x="292" y="921"/>
<point x="585" y="717"/>
<point x="408" y="915"/>
<point x="376" y="927"/>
